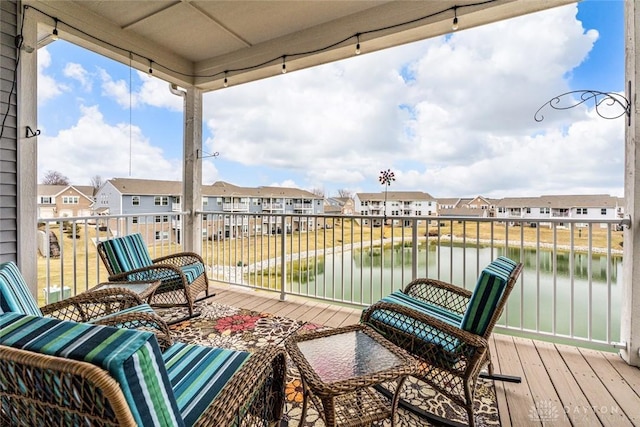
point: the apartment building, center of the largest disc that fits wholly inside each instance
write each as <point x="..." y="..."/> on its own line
<point x="588" y="207"/>
<point x="160" y="201"/>
<point x="394" y="204"/>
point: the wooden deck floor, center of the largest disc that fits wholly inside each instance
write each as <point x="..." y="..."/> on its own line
<point x="569" y="386"/>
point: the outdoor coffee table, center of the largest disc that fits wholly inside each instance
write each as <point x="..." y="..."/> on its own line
<point x="339" y="369"/>
<point x="144" y="289"/>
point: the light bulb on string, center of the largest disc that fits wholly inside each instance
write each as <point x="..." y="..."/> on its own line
<point x="358" y="44"/>
<point x="284" y="65"/>
<point x="454" y="26"/>
<point x="150" y="72"/>
<point x="226" y="82"/>
<point x="54" y="35"/>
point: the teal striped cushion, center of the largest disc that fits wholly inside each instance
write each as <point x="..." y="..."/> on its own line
<point x="127" y="253"/>
<point x="14" y="294"/>
<point x="198" y="374"/>
<point x="426" y="333"/>
<point x="132" y="358"/>
<point x="192" y="271"/>
<point x="486" y="295"/>
<point x="399" y="297"/>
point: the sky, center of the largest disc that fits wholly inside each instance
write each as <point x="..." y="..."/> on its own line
<point x="451" y="116"/>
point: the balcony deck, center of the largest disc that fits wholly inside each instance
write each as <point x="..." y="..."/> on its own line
<point x="570" y="385"/>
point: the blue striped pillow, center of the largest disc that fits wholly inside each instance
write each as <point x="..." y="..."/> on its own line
<point x="198" y="374"/>
<point x="486" y="295"/>
<point x="14" y="294"/>
<point x="132" y="358"/>
<point x="127" y="253"/>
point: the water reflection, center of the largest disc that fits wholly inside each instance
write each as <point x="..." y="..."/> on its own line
<point x="558" y="292"/>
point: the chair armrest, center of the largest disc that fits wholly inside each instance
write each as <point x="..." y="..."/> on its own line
<point x="256" y="390"/>
<point x="437" y="292"/>
<point x="88" y="306"/>
<point x="142" y="321"/>
<point x="431" y="340"/>
<point x="179" y="259"/>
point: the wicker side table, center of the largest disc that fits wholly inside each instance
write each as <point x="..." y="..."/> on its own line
<point x="339" y="368"/>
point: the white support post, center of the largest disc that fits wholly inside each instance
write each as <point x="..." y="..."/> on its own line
<point x="630" y="301"/>
<point x="27" y="155"/>
<point x="191" y="233"/>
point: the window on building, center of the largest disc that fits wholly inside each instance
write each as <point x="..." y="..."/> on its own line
<point x="205" y="201"/>
<point x="135" y="200"/>
<point x="162" y="235"/>
<point x="527" y="210"/>
<point x="544" y="210"/>
<point x="161" y="200"/>
<point x="603" y="211"/>
<point x="70" y="200"/>
<point x="46" y="200"/>
<point x="162" y="218"/>
<point x="500" y="210"/>
<point x="581" y="211"/>
<point x="134" y="219"/>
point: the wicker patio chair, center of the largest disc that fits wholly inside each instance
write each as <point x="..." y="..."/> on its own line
<point x="97" y="375"/>
<point x="447" y="327"/>
<point x="183" y="275"/>
<point x="115" y="306"/>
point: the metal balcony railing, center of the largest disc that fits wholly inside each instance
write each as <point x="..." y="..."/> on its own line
<point x="569" y="290"/>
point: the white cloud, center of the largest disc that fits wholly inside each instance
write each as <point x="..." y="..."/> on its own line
<point x="48" y="88"/>
<point x="94" y="147"/>
<point x="451" y="116"/>
<point x="153" y="91"/>
<point x="77" y="72"/>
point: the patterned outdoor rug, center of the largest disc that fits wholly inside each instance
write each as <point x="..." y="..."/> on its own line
<point x="230" y="327"/>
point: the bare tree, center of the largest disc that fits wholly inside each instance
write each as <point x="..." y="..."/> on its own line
<point x="343" y="192"/>
<point x="96" y="182"/>
<point x="318" y="192"/>
<point x="55" y="178"/>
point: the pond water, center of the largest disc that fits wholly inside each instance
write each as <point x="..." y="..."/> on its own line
<point x="363" y="277"/>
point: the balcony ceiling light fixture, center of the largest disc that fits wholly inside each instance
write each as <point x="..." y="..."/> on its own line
<point x="269" y="61"/>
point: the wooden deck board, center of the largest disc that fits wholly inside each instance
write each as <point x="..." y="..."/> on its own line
<point x="626" y="398"/>
<point x="596" y="393"/>
<point x="590" y="387"/>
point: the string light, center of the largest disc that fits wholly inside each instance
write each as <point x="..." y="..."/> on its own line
<point x="226" y="82"/>
<point x="270" y="61"/>
<point x="150" y="67"/>
<point x="454" y="26"/>
<point x="54" y="35"/>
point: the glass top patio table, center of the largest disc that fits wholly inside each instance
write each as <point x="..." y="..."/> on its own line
<point x="144" y="289"/>
<point x="339" y="368"/>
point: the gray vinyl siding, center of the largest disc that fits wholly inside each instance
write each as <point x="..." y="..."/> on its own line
<point x="8" y="143"/>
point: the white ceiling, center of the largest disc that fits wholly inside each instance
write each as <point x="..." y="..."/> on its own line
<point x="193" y="42"/>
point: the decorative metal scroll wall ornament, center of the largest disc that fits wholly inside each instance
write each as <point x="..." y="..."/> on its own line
<point x="600" y="100"/>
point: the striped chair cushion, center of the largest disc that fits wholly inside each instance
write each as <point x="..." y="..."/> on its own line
<point x="399" y="297"/>
<point x="198" y="374"/>
<point x="14" y="294"/>
<point x="486" y="295"/>
<point x="426" y="333"/>
<point x="132" y="358"/>
<point x="127" y="253"/>
<point x="192" y="271"/>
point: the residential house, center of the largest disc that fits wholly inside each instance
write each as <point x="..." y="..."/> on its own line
<point x="57" y="201"/>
